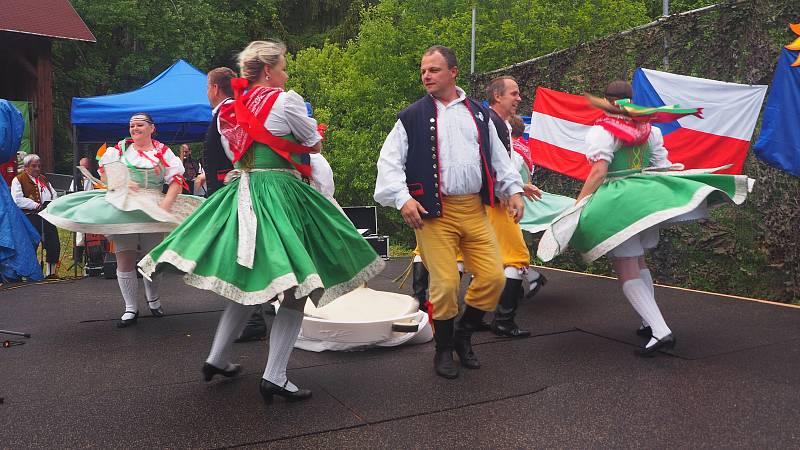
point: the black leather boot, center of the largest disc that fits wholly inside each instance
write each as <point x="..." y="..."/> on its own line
<point x="503" y="323"/>
<point x="443" y="360"/>
<point x="470" y="322"/>
<point x="256" y="328"/>
<point x="419" y="284"/>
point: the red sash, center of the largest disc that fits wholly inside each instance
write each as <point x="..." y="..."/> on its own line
<point x="241" y="126"/>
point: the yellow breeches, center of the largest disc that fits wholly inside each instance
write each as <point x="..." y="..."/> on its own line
<point x="463" y="227"/>
<point x="513" y="249"/>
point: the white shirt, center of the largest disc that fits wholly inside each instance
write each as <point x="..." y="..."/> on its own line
<point x="149" y="161"/>
<point x="87" y="184"/>
<point x="46" y="194"/>
<point x="602" y="145"/>
<point x="459" y="158"/>
<point x="289" y="115"/>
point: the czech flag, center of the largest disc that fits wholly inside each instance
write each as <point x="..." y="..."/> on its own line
<point x="722" y="136"/>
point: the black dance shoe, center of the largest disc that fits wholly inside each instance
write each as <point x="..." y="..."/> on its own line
<point x="665" y="343"/>
<point x="508" y="328"/>
<point x="484" y="326"/>
<point x="536" y="285"/>
<point x="128" y="322"/>
<point x="644" y="331"/>
<point x="268" y="389"/>
<point x="155" y="312"/>
<point x="209" y="370"/>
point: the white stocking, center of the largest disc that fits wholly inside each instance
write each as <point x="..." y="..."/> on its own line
<point x="282" y="337"/>
<point x="151" y="290"/>
<point x="129" y="286"/>
<point x="233" y="320"/>
<point x="644" y="303"/>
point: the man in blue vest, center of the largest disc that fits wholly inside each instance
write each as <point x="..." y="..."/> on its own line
<point x="440" y="164"/>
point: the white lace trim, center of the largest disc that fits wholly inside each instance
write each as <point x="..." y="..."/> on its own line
<point x="312" y="286"/>
<point x="743" y="185"/>
<point x="109" y="228"/>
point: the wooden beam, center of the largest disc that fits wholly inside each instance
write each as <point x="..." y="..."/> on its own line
<point x="43" y="104"/>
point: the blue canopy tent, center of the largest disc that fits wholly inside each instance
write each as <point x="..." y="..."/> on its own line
<point x="176" y="99"/>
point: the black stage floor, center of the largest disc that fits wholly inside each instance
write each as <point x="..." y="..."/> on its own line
<point x="732" y="381"/>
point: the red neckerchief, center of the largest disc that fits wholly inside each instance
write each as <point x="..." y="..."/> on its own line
<point x="630" y="132"/>
<point x="521" y="147"/>
<point x="242" y="122"/>
<point x="41" y="185"/>
<point x="160" y="149"/>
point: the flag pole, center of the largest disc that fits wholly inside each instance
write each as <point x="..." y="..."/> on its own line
<point x="472" y="53"/>
<point x="665" y="13"/>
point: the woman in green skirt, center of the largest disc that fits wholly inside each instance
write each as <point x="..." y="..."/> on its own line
<point x="266" y="234"/>
<point x="631" y="192"/>
<point x="133" y="212"/>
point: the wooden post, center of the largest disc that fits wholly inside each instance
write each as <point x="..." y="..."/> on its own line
<point x="43" y="105"/>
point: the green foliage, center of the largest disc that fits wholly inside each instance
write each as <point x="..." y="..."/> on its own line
<point x="359" y="87"/>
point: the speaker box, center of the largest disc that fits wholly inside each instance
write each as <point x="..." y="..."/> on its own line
<point x="380" y="244"/>
<point x="365" y="218"/>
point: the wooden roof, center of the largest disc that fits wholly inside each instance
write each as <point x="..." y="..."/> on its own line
<point x="50" y="18"/>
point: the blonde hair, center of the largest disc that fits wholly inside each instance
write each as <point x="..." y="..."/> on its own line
<point x="258" y="54"/>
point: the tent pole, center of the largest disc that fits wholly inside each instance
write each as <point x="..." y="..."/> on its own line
<point x="76" y="160"/>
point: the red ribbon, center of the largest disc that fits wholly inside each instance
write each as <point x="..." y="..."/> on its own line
<point x="253" y="125"/>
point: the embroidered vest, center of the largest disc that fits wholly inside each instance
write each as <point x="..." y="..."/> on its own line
<point x="423" y="167"/>
<point x="30" y="189"/>
<point x="635" y="157"/>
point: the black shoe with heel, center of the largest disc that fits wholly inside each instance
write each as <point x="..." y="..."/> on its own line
<point x="645" y="332"/>
<point x="155" y="312"/>
<point x="128" y="322"/>
<point x="665" y="343"/>
<point x="210" y="370"/>
<point x="269" y="389"/>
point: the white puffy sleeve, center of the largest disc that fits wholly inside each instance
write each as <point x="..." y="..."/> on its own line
<point x="322" y="175"/>
<point x="390" y="185"/>
<point x="509" y="181"/>
<point x="600" y="145"/>
<point x="303" y="128"/>
<point x="659" y="156"/>
<point x="111" y="155"/>
<point x="174" y="166"/>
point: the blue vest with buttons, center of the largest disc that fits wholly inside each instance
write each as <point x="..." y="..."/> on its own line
<point x="423" y="167"/>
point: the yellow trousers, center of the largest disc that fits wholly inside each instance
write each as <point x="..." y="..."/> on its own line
<point x="465" y="227"/>
<point x="513" y="249"/>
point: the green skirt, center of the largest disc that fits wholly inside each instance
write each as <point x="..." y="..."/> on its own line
<point x="89" y="212"/>
<point x="302" y="241"/>
<point x="624" y="207"/>
<point x="539" y="213"/>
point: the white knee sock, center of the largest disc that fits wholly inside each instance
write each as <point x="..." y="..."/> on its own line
<point x="645" y="304"/>
<point x="129" y="286"/>
<point x="282" y="337"/>
<point x="231" y="324"/>
<point x="645" y="275"/>
<point x="151" y="290"/>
